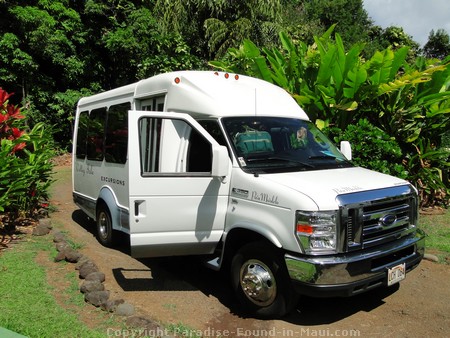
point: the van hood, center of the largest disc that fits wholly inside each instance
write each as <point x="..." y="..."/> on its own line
<point x="323" y="186"/>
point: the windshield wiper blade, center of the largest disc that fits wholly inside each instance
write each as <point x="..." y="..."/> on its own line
<point x="322" y="157"/>
<point x="304" y="164"/>
<point x="275" y="158"/>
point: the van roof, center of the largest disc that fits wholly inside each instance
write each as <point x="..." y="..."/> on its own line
<point x="209" y="93"/>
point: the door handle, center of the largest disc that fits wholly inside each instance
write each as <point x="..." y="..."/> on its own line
<point x="137" y="205"/>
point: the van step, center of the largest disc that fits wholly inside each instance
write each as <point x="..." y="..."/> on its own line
<point x="213" y="264"/>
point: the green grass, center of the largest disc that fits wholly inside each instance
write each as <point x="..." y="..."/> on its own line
<point x="73" y="291"/>
<point x="27" y="305"/>
<point x="437" y="228"/>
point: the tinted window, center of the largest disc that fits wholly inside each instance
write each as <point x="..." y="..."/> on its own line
<point x="96" y="134"/>
<point x="116" y="140"/>
<point x="83" y="120"/>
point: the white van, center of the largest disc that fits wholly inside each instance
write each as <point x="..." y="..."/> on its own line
<point x="230" y="167"/>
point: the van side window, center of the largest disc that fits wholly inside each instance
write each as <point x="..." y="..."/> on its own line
<point x="213" y="127"/>
<point x="96" y="134"/>
<point x="172" y="146"/>
<point x="149" y="143"/>
<point x="83" y="120"/>
<point x="116" y="140"/>
<point x="153" y="104"/>
<point x="199" y="156"/>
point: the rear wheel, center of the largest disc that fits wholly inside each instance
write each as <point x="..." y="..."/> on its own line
<point x="261" y="281"/>
<point x="104" y="226"/>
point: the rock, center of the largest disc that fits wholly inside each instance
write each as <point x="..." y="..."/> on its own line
<point x="81" y="261"/>
<point x="72" y="256"/>
<point x="91" y="285"/>
<point x="60" y="256"/>
<point x="431" y="257"/>
<point x="142" y="323"/>
<point x="111" y="305"/>
<point x="96" y="298"/>
<point x="59" y="237"/>
<point x="61" y="246"/>
<point x="125" y="309"/>
<point x="87" y="268"/>
<point x="96" y="276"/>
<point x="46" y="223"/>
<point x="41" y="230"/>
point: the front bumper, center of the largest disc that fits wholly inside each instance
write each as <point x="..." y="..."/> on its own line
<point x="353" y="273"/>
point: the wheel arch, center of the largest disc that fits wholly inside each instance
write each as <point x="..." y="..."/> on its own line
<point x="108" y="199"/>
<point x="239" y="236"/>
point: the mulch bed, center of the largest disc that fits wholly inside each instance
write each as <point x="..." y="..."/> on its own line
<point x="14" y="229"/>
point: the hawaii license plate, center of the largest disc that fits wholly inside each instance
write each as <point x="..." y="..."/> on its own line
<point x="396" y="274"/>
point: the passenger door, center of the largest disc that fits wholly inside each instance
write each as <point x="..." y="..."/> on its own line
<point x="178" y="200"/>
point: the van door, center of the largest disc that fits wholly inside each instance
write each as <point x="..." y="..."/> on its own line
<point x="176" y="205"/>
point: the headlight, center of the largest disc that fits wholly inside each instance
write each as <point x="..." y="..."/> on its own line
<point x="316" y="231"/>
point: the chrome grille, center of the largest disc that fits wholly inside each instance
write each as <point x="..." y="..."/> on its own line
<point x="375" y="217"/>
<point x="376" y="229"/>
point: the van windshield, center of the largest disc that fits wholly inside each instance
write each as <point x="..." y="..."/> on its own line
<point x="276" y="144"/>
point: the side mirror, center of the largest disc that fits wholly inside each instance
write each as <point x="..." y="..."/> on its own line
<point x="346" y="150"/>
<point x="220" y="162"/>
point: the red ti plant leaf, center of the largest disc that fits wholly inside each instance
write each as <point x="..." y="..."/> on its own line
<point x="18" y="147"/>
<point x="4" y="96"/>
<point x="16" y="133"/>
<point x="14" y="112"/>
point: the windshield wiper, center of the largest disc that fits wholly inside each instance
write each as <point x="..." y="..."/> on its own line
<point x="304" y="164"/>
<point x="321" y="157"/>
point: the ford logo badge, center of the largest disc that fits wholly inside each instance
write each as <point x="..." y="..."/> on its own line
<point x="388" y="219"/>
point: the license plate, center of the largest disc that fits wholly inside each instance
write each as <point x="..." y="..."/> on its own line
<point x="396" y="274"/>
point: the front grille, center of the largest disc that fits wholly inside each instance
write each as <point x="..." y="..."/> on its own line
<point x="376" y="217"/>
<point x="375" y="231"/>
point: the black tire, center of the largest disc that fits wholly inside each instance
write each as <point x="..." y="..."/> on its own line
<point x="105" y="233"/>
<point x="261" y="281"/>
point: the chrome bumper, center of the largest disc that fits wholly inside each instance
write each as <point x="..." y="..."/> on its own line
<point x="353" y="273"/>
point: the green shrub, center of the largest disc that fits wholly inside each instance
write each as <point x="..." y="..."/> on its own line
<point x="372" y="148"/>
<point x="25" y="162"/>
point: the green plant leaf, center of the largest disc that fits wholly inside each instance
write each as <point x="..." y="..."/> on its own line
<point x="355" y="78"/>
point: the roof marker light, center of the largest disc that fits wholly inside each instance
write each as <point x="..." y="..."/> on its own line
<point x="227" y="75"/>
<point x="177" y="80"/>
<point x="236" y="77"/>
<point x="216" y="73"/>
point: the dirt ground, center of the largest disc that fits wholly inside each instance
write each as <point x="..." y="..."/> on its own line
<point x="182" y="292"/>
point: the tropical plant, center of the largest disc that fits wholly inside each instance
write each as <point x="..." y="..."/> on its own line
<point x="25" y="161"/>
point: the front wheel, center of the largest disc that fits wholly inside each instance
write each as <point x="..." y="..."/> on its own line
<point x="261" y="281"/>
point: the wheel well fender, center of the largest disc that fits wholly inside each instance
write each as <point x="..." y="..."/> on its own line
<point x="107" y="198"/>
<point x="238" y="237"/>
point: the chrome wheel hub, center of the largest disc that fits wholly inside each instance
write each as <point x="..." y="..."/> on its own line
<point x="103" y="225"/>
<point x="258" y="282"/>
